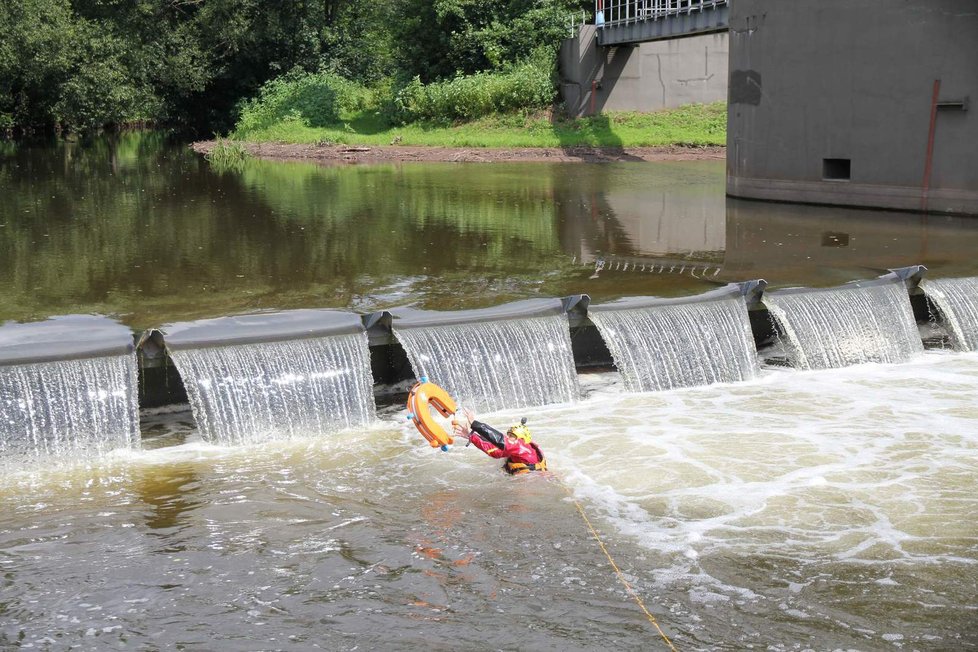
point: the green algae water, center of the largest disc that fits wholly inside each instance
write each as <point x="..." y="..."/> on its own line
<point x="147" y="231"/>
<point x="138" y="227"/>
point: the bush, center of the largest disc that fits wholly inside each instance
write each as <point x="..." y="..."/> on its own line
<point x="524" y="86"/>
<point x="314" y="99"/>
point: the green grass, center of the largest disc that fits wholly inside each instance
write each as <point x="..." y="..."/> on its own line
<point x="692" y="125"/>
<point x="227" y="155"/>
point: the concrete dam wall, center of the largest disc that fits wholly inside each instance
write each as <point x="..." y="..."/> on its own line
<point x="645" y="77"/>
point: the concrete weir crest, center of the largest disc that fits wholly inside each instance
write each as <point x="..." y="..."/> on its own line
<point x="274" y="374"/>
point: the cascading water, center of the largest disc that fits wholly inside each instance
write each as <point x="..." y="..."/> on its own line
<point x="823" y="329"/>
<point x="257" y="391"/>
<point x="957" y="301"/>
<point x="674" y="345"/>
<point x="491" y="365"/>
<point x="68" y="408"/>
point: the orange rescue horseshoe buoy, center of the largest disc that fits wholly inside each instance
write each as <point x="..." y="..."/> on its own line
<point x="421" y="399"/>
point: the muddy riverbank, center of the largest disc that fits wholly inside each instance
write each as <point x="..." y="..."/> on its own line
<point x="342" y="154"/>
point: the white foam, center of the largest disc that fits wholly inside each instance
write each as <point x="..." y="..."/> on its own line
<point x="868" y="464"/>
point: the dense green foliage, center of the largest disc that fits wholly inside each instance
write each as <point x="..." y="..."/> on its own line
<point x="528" y="85"/>
<point x="317" y="99"/>
<point x="323" y="99"/>
<point x="81" y="64"/>
<point x="438" y="39"/>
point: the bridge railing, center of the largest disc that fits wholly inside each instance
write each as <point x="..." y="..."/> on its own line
<point x="622" y="12"/>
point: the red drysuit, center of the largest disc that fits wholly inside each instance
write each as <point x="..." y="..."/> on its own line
<point x="520" y="455"/>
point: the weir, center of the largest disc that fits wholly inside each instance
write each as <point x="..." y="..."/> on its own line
<point x="956" y="301"/>
<point x="70" y="383"/>
<point x="512" y="356"/>
<point x="257" y="377"/>
<point x="660" y="344"/>
<point x="860" y="322"/>
<point x="67" y="386"/>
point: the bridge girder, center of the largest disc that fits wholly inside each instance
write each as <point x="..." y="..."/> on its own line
<point x="715" y="19"/>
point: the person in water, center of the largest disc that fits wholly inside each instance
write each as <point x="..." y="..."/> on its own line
<point x="522" y="455"/>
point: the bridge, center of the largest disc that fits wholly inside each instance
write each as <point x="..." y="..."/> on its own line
<point x="623" y="22"/>
<point x="646" y="55"/>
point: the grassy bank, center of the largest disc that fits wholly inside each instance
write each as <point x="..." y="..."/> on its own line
<point x="693" y="125"/>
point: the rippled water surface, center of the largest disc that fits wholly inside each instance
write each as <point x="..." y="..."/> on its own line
<point x="140" y="228"/>
<point x="823" y="510"/>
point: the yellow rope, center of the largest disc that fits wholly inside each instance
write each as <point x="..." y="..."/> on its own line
<point x="621" y="576"/>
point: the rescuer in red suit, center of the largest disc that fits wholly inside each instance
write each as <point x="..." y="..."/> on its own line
<point x="516" y="446"/>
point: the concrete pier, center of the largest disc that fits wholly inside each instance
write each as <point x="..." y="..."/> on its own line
<point x="867" y="103"/>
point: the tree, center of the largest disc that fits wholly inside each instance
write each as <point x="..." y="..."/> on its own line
<point x="35" y="54"/>
<point x="441" y="38"/>
<point x="81" y="64"/>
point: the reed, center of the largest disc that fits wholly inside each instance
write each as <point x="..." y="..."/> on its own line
<point x="227" y="155"/>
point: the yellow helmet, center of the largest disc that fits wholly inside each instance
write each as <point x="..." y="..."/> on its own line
<point x="520" y="431"/>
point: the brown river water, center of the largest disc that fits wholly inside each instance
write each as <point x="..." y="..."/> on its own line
<point x="822" y="510"/>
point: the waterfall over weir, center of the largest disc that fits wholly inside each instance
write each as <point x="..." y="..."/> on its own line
<point x="865" y="321"/>
<point x="660" y="344"/>
<point x="512" y="356"/>
<point x="258" y="377"/>
<point x="67" y="389"/>
<point x="957" y="301"/>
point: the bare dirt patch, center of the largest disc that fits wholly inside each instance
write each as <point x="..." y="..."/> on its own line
<point x="350" y="154"/>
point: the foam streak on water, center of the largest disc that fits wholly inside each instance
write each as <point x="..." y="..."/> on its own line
<point x="671" y="346"/>
<point x="957" y="300"/>
<point x="68" y="408"/>
<point x="827" y="329"/>
<point x="496" y="364"/>
<point x="254" y="392"/>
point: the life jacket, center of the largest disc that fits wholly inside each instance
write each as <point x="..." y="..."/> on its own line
<point x="516" y="468"/>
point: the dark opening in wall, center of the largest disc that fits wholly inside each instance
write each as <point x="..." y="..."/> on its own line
<point x="835" y="169"/>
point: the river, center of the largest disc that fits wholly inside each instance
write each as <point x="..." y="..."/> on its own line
<point x="830" y="509"/>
